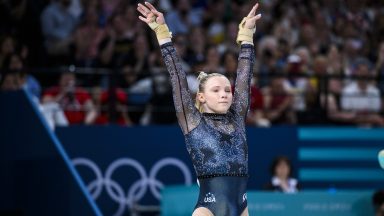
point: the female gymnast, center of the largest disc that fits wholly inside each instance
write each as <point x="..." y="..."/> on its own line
<point x="213" y="126"/>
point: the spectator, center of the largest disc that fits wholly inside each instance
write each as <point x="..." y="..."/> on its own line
<point x="197" y="44"/>
<point x="76" y="8"/>
<point x="229" y="60"/>
<point x="362" y="97"/>
<point x="7" y="47"/>
<point x="379" y="67"/>
<point x="161" y="103"/>
<point x="101" y="99"/>
<point x="128" y="77"/>
<point x="183" y="18"/>
<point x="117" y="46"/>
<point x="297" y="83"/>
<point x="9" y="82"/>
<point x="328" y="92"/>
<point x="335" y="68"/>
<point x="318" y="84"/>
<point x="140" y="59"/>
<point x="309" y="37"/>
<point x="214" y="20"/>
<point x="75" y="101"/>
<point x="256" y="115"/>
<point x="230" y="35"/>
<point x="16" y="78"/>
<point x="330" y="98"/>
<point x="278" y="102"/>
<point x="340" y="31"/>
<point x="181" y="46"/>
<point x="58" y="25"/>
<point x="110" y="6"/>
<point x="267" y="62"/>
<point x="14" y="63"/>
<point x="21" y="18"/>
<point x="87" y="38"/>
<point x="212" y="61"/>
<point x="282" y="180"/>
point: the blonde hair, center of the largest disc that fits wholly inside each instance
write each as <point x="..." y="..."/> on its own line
<point x="202" y="78"/>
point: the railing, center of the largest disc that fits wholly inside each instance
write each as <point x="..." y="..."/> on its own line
<point x="139" y="101"/>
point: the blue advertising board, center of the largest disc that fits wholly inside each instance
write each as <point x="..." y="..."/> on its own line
<point x="118" y="167"/>
<point x="180" y="201"/>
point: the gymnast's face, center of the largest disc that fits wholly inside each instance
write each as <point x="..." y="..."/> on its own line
<point x="216" y="96"/>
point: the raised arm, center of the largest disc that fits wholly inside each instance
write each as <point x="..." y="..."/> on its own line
<point x="188" y="116"/>
<point x="247" y="28"/>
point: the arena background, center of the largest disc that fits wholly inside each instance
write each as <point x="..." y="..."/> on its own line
<point x="111" y="169"/>
<point x="130" y="158"/>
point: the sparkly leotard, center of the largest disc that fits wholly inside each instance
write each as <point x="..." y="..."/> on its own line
<point x="216" y="142"/>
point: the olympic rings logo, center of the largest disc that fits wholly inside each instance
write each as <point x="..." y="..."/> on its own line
<point x="138" y="189"/>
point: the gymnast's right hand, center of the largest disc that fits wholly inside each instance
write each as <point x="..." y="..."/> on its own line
<point x="154" y="19"/>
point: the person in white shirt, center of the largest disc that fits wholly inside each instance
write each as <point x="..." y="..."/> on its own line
<point x="362" y="98"/>
<point x="282" y="180"/>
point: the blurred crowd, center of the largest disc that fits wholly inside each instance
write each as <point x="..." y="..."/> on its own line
<point x="93" y="61"/>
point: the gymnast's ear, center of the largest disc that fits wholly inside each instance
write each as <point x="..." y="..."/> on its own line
<point x="200" y="97"/>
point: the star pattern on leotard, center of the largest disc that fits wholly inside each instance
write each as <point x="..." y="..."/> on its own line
<point x="225" y="138"/>
<point x="217" y="145"/>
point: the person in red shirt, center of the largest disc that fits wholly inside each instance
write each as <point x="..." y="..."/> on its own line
<point x="278" y="102"/>
<point x="75" y="101"/>
<point x="101" y="100"/>
<point x="256" y="115"/>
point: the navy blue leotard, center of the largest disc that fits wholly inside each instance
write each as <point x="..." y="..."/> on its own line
<point x="216" y="143"/>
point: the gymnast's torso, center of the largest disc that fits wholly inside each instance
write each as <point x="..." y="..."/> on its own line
<point x="218" y="150"/>
<point x="217" y="146"/>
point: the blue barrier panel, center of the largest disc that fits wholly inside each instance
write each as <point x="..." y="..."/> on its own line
<point x="180" y="201"/>
<point x="123" y="166"/>
<point x="126" y="165"/>
<point x="340" y="157"/>
<point x="331" y="133"/>
<point x="36" y="176"/>
<point x="339" y="154"/>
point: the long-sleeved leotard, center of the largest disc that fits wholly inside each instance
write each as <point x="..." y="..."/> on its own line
<point x="216" y="142"/>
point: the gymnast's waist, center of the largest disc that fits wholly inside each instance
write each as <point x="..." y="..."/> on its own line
<point x="223" y="175"/>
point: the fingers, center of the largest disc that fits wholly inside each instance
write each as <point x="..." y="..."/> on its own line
<point x="143" y="9"/>
<point x="150" y="6"/>
<point x="253" y="11"/>
<point x="251" y="21"/>
<point x="153" y="9"/>
<point x="148" y="11"/>
<point x="254" y="19"/>
<point x="143" y="19"/>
